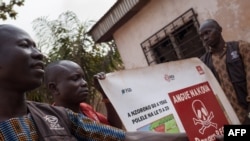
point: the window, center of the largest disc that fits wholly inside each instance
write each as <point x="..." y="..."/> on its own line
<point x="178" y="40"/>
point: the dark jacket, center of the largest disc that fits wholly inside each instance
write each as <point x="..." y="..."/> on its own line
<point x="52" y="122"/>
<point x="235" y="69"/>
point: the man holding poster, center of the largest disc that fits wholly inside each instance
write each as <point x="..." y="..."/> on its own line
<point x="164" y="99"/>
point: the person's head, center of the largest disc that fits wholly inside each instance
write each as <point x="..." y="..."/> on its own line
<point x="210" y="33"/>
<point x="65" y="80"/>
<point x="21" y="63"/>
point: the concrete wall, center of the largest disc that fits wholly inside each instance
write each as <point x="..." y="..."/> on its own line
<point x="233" y="15"/>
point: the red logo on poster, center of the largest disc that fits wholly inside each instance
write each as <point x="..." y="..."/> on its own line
<point x="200" y="70"/>
<point x="199" y="112"/>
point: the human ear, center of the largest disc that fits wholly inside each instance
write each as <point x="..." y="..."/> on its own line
<point x="52" y="88"/>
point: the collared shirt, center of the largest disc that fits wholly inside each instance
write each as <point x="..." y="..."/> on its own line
<point x="88" y="111"/>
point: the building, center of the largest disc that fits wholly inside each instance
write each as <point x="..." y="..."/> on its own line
<point x="149" y="32"/>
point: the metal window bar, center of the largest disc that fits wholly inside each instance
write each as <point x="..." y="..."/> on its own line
<point x="170" y="32"/>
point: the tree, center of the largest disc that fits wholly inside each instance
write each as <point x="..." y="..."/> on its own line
<point x="67" y="38"/>
<point x="7" y="9"/>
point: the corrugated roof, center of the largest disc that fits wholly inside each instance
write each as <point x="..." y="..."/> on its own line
<point x="117" y="15"/>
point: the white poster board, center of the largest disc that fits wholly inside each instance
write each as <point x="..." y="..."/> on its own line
<point x="149" y="98"/>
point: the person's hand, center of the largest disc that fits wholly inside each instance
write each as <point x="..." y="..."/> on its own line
<point x="100" y="76"/>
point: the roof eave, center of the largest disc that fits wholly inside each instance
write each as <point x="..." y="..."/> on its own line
<point x="118" y="14"/>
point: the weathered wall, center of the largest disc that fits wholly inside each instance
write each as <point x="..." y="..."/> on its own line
<point x="231" y="14"/>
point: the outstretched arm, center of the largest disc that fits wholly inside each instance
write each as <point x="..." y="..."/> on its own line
<point x="105" y="132"/>
<point x="112" y="115"/>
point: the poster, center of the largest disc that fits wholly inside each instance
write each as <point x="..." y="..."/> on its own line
<point x="204" y="115"/>
<point x="172" y="97"/>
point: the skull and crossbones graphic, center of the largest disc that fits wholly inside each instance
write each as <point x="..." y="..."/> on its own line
<point x="203" y="117"/>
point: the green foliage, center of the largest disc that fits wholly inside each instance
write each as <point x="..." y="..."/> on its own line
<point x="67" y="38"/>
<point x="7" y="9"/>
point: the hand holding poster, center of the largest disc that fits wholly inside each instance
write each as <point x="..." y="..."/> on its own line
<point x="178" y="96"/>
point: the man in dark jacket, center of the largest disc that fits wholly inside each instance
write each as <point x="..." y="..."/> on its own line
<point x="230" y="63"/>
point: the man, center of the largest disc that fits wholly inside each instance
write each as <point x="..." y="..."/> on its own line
<point x="21" y="70"/>
<point x="230" y="63"/>
<point x="65" y="80"/>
